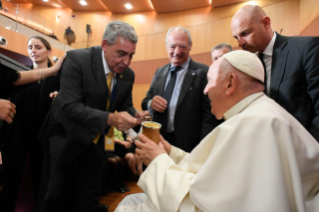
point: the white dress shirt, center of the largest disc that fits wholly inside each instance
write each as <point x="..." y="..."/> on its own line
<point x="107" y="70"/>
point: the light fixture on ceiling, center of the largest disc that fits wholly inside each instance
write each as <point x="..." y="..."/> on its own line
<point x="45" y="0"/>
<point x="128" y="6"/>
<point x="252" y="3"/>
<point x="82" y="2"/>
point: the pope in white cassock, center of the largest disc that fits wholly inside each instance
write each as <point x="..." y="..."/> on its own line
<point x="259" y="160"/>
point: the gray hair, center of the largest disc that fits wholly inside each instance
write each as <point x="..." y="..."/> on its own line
<point x="179" y="28"/>
<point x="119" y="28"/>
<point x="221" y="46"/>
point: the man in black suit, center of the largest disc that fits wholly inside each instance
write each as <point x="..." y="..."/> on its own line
<point x="291" y="64"/>
<point x="95" y="82"/>
<point x="181" y="107"/>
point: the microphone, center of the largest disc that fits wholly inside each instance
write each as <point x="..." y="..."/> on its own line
<point x="280" y="31"/>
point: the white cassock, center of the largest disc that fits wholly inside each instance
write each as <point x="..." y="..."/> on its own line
<point x="261" y="159"/>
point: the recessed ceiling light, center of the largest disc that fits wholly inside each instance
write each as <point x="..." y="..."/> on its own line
<point x="83" y="2"/>
<point x="45" y="0"/>
<point x="128" y="6"/>
<point x="252" y="3"/>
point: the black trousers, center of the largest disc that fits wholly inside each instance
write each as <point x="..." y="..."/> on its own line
<point x="56" y="178"/>
<point x="14" y="155"/>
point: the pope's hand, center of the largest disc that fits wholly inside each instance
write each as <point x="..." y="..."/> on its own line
<point x="167" y="146"/>
<point x="147" y="149"/>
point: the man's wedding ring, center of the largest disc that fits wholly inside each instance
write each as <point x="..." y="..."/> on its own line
<point x="11" y="115"/>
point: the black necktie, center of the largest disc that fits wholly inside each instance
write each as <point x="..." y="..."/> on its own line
<point x="261" y="57"/>
<point x="171" y="84"/>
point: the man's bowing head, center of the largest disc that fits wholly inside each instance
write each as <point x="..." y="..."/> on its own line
<point x="119" y="44"/>
<point x="231" y="78"/>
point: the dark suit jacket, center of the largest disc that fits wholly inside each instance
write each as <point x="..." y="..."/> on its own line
<point x="193" y="119"/>
<point x="79" y="110"/>
<point x="295" y="79"/>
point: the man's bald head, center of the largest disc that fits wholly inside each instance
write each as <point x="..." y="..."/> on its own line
<point x="251" y="27"/>
<point x="252" y="12"/>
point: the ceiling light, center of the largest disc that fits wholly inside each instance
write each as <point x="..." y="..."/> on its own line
<point x="252" y="3"/>
<point x="83" y="2"/>
<point x="128" y="6"/>
<point x="45" y="0"/>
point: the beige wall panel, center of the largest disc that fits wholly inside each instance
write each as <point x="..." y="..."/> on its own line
<point x="139" y="93"/>
<point x="151" y="47"/>
<point x="57" y="52"/>
<point x="145" y="70"/>
<point x="219" y="3"/>
<point x="204" y="58"/>
<point x="208" y="35"/>
<point x="209" y="26"/>
<point x="9" y="5"/>
<point x="146" y="23"/>
<point x="308" y="12"/>
<point x="149" y="22"/>
<point x="18" y="43"/>
<point x="284" y="15"/>
<point x="161" y="6"/>
<point x="143" y="23"/>
<point x="312" y="29"/>
<point x="98" y="22"/>
<point x="49" y="14"/>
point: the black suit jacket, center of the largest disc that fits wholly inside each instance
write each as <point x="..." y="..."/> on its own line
<point x="193" y="119"/>
<point x="295" y="79"/>
<point x="79" y="110"/>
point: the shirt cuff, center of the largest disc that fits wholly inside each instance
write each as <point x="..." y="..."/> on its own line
<point x="149" y="108"/>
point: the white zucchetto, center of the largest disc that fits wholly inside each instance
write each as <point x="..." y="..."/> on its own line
<point x="247" y="63"/>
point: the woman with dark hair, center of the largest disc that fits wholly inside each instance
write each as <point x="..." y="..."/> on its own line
<point x="10" y="78"/>
<point x="20" y="139"/>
